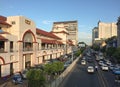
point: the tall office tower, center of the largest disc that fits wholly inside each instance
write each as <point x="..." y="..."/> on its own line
<point x="94" y="35"/>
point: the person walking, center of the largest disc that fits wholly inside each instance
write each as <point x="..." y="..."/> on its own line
<point x="96" y="68"/>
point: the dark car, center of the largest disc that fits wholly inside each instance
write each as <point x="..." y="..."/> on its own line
<point x="17" y="79"/>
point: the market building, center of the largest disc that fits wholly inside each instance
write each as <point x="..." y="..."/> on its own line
<point x="22" y="45"/>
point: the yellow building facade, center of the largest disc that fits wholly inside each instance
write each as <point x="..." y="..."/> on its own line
<point x="22" y="45"/>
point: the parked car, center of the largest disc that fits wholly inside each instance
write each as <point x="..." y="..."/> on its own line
<point x="90" y="69"/>
<point x="66" y="64"/>
<point x="24" y="72"/>
<point x="17" y="79"/>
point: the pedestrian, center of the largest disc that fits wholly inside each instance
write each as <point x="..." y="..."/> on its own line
<point x="96" y="67"/>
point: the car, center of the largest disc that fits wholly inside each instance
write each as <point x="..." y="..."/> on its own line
<point x="108" y="63"/>
<point x="17" y="78"/>
<point x="23" y="73"/>
<point x="66" y="64"/>
<point x="90" y="69"/>
<point x="101" y="63"/>
<point x="90" y="60"/>
<point x="84" y="58"/>
<point x="83" y="62"/>
<point x="111" y="67"/>
<point x="116" y="71"/>
<point x="100" y="56"/>
<point x="105" y="67"/>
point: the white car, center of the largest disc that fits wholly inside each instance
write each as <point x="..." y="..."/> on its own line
<point x="83" y="62"/>
<point x="105" y="67"/>
<point x="90" y="69"/>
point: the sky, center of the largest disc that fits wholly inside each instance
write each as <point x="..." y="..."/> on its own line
<point x="45" y="12"/>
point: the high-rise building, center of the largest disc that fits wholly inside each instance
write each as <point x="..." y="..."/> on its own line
<point x="118" y="32"/>
<point x="103" y="32"/>
<point x="107" y="30"/>
<point x="70" y="28"/>
<point x="94" y="34"/>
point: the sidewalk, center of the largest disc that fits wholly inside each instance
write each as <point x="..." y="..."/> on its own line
<point x="7" y="82"/>
<point x="4" y="80"/>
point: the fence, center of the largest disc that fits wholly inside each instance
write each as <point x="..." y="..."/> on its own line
<point x="59" y="80"/>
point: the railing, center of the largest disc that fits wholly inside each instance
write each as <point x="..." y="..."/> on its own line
<point x="27" y="49"/>
<point x="2" y="50"/>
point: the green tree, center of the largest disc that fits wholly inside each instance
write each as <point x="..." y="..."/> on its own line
<point x="103" y="49"/>
<point x="78" y="52"/>
<point x="54" y="67"/>
<point x="117" y="54"/>
<point x="36" y="78"/>
<point x="59" y="67"/>
<point x="110" y="40"/>
<point x="96" y="47"/>
<point x="110" y="51"/>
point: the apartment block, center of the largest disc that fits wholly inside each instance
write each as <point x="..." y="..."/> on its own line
<point x="103" y="32"/>
<point x="70" y="30"/>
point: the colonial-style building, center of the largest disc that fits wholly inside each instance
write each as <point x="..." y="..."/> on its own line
<point x="22" y="45"/>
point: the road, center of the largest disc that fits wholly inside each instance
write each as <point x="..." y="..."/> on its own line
<point x="79" y="77"/>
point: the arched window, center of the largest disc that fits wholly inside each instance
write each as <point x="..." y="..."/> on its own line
<point x="28" y="42"/>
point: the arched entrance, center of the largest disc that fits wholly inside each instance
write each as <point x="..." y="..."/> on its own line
<point x="1" y="63"/>
<point x="28" y="41"/>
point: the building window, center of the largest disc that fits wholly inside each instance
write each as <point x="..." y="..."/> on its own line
<point x="11" y="46"/>
<point x="1" y="29"/>
<point x="13" y="22"/>
<point x="27" y="22"/>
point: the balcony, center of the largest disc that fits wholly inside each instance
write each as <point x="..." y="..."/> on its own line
<point x="28" y="49"/>
<point x="2" y="50"/>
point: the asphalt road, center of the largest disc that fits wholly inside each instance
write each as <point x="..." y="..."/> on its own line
<point x="79" y="77"/>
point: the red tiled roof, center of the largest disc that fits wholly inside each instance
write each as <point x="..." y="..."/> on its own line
<point x="4" y="23"/>
<point x="50" y="41"/>
<point x="70" y="42"/>
<point x="2" y="38"/>
<point x="48" y="34"/>
<point x="2" y="18"/>
<point x="4" y="33"/>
